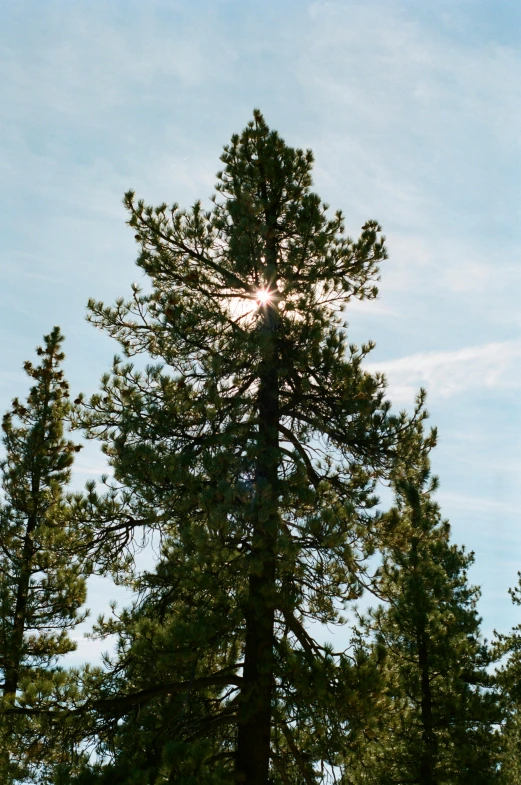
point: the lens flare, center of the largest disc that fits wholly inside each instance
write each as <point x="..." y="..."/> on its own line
<point x="263" y="296"/>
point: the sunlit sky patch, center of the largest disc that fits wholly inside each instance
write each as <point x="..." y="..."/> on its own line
<point x="413" y="112"/>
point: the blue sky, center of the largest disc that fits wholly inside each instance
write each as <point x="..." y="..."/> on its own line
<point x="413" y="112"/>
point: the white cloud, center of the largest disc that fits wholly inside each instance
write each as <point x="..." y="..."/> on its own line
<point x="447" y="373"/>
<point x="476" y="504"/>
<point x="412" y="121"/>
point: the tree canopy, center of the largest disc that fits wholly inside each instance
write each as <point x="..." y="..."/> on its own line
<point x="254" y="442"/>
<point x="42" y="587"/>
<point x="248" y="441"/>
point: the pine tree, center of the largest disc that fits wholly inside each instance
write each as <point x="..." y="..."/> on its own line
<point x="177" y="650"/>
<point x="439" y="723"/>
<point x="253" y="444"/>
<point x="41" y="586"/>
<point x="508" y="680"/>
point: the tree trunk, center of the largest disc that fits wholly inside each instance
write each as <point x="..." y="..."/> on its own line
<point x="428" y="750"/>
<point x="253" y="748"/>
<point x="254" y="718"/>
<point x="14" y="655"/>
<point x="12" y="671"/>
<point x="428" y="755"/>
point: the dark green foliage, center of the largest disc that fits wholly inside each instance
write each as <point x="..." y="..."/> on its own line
<point x="41" y="585"/>
<point x="508" y="679"/>
<point x="439" y="724"/>
<point x="248" y="448"/>
<point x="253" y="445"/>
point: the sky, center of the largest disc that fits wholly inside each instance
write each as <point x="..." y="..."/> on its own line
<point x="413" y="112"/>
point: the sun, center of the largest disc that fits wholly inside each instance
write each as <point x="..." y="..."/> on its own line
<point x="263" y="296"/>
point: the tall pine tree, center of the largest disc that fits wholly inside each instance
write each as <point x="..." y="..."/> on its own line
<point x="439" y="723"/>
<point x="41" y="585"/>
<point x="508" y="679"/>
<point x="254" y="445"/>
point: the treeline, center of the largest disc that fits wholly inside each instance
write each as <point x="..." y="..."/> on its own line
<point x="251" y="447"/>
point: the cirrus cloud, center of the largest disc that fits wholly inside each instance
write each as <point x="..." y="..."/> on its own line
<point x="447" y="373"/>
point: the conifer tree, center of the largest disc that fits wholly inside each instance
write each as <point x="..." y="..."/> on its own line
<point x="41" y="586"/>
<point x="177" y="649"/>
<point x="438" y="726"/>
<point x="508" y="680"/>
<point x="254" y="444"/>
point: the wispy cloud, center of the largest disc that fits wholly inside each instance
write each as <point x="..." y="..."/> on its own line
<point x="414" y="117"/>
<point x="477" y="504"/>
<point x="447" y="373"/>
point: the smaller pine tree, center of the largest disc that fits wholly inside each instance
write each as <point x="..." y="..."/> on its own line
<point x="439" y="723"/>
<point x="41" y="585"/>
<point x="508" y="679"/>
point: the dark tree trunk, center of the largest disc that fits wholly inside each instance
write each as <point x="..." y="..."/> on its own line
<point x="428" y="752"/>
<point x="16" y="641"/>
<point x="12" y="671"/>
<point x="254" y="719"/>
<point x="14" y="654"/>
<point x="428" y="756"/>
<point x="253" y="749"/>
